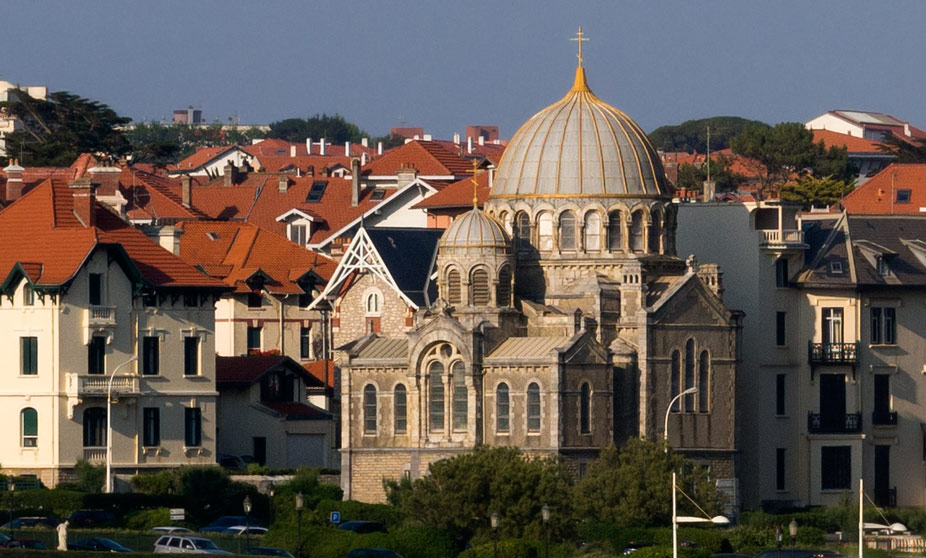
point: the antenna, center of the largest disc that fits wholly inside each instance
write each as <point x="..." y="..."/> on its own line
<point x="708" y="157"/>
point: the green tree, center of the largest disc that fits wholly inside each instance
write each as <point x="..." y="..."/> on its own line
<point x="88" y="477"/>
<point x="904" y="151"/>
<point x="816" y="192"/>
<point x="691" y="136"/>
<point x="690" y="176"/>
<point x="57" y="130"/>
<point x="335" y="129"/>
<point x="722" y="174"/>
<point x="777" y="152"/>
<point x="633" y="486"/>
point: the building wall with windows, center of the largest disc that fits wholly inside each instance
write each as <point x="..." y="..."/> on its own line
<point x="276" y="322"/>
<point x="370" y="306"/>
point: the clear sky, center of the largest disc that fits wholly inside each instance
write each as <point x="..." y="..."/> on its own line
<point x="442" y="65"/>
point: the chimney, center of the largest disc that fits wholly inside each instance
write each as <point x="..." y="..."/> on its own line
<point x="427" y="137"/>
<point x="321" y="147"/>
<point x="469" y="144"/>
<point x="167" y="236"/>
<point x="354" y="181"/>
<point x="308" y="146"/>
<point x="906" y="129"/>
<point x="482" y="140"/>
<point x="325" y="171"/>
<point x="227" y="173"/>
<point x="108" y="178"/>
<point x="379" y="148"/>
<point x="283" y="184"/>
<point x="347" y="149"/>
<point x="406" y="175"/>
<point x="186" y="191"/>
<point x="456" y="138"/>
<point x="14" y="181"/>
<point x="365" y="142"/>
<point x="84" y="192"/>
<point x="292" y="150"/>
<point x="310" y="171"/>
<point x="491" y="175"/>
<point x="363" y="159"/>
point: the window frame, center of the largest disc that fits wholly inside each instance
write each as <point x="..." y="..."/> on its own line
<point x="98" y="431"/>
<point x="254" y="334"/>
<point x="835" y="475"/>
<point x="305" y="342"/>
<point x="151" y="356"/>
<point x="585" y="408"/>
<point x="191" y="356"/>
<point x="95" y="289"/>
<point x="459" y="417"/>
<point x="400" y="409"/>
<point x="96" y="355"/>
<point x="29" y="440"/>
<point x="534" y="408"/>
<point x="369" y="409"/>
<point x="28" y="355"/>
<point x="883" y="325"/>
<point x="151" y="427"/>
<point x="192" y="427"/>
<point x="567" y="231"/>
<point x="502" y="409"/>
<point x="781" y="329"/>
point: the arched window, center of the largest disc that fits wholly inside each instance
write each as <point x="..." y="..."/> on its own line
<point x="460" y="397"/>
<point x="503" y="290"/>
<point x="615" y="231"/>
<point x="400" y="409"/>
<point x="675" y="379"/>
<point x="369" y="409"/>
<point x="655" y="228"/>
<point x="636" y="231"/>
<point x="373" y="303"/>
<point x="94" y="427"/>
<point x="585" y="409"/>
<point x="523" y="226"/>
<point x="454" y="294"/>
<point x="479" y="287"/>
<point x="502" y="409"/>
<point x="29" y="427"/>
<point x="567" y="230"/>
<point x="592" y="231"/>
<point x="545" y="231"/>
<point x="704" y="382"/>
<point x="503" y="219"/>
<point x="436" y="396"/>
<point x="533" y="407"/>
<point x="689" y="374"/>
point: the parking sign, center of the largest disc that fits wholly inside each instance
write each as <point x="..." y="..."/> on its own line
<point x="335" y="517"/>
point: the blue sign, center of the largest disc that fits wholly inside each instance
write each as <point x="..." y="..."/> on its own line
<point x="335" y="517"/>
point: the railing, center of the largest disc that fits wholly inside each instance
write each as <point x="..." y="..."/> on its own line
<point x="101" y="315"/>
<point x="832" y="353"/>
<point x="95" y="455"/>
<point x="888" y="418"/>
<point x="780" y="237"/>
<point x="848" y="423"/>
<point x="98" y="384"/>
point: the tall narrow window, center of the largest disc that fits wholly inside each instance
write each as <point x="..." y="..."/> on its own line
<point x="255" y="299"/>
<point x="688" y="405"/>
<point x="29" y="427"/>
<point x="503" y="289"/>
<point x="704" y="382"/>
<point x="655" y="233"/>
<point x="369" y="409"/>
<point x="373" y="304"/>
<point x="533" y="407"/>
<point x="502" y="409"/>
<point x="479" y="287"/>
<point x="883" y="325"/>
<point x="779" y="468"/>
<point x="96" y="355"/>
<point x="305" y="342"/>
<point x="780" y="395"/>
<point x="615" y="232"/>
<point x="254" y="339"/>
<point x="460" y="396"/>
<point x="567" y="230"/>
<point x="28" y="295"/>
<point x="836" y="467"/>
<point x="780" y="332"/>
<point x="881" y="414"/>
<point x="28" y="356"/>
<point x="545" y="231"/>
<point x="454" y="293"/>
<point x="675" y="377"/>
<point x="781" y="273"/>
<point x="96" y="289"/>
<point x="585" y="409"/>
<point x="400" y="409"/>
<point x="94" y="427"/>
<point x="151" y="427"/>
<point x="436" y="396"/>
<point x="190" y="356"/>
<point x="150" y="355"/>
<point x="832" y="326"/>
<point x="192" y="427"/>
<point x="636" y="231"/>
<point x="592" y="231"/>
<point x="523" y="229"/>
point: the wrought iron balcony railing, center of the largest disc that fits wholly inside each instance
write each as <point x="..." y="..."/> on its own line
<point x="884" y="418"/>
<point x="848" y="423"/>
<point x="832" y="353"/>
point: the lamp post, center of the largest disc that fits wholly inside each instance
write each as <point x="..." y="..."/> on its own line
<point x="545" y="514"/>
<point x="12" y="490"/>
<point x="792" y="530"/>
<point x="300" y="503"/>
<point x="665" y="427"/>
<point x="247" y="530"/>
<point x="494" y="519"/>
<point x="109" y="423"/>
<point x="676" y="519"/>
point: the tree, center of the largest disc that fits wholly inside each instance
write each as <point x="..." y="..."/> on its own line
<point x="333" y="128"/>
<point x="633" y="486"/>
<point x="904" y="151"/>
<point x="57" y="130"/>
<point x="691" y="136"/>
<point x="722" y="174"/>
<point x="777" y="152"/>
<point x="816" y="192"/>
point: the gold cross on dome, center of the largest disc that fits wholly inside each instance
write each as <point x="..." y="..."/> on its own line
<point x="475" y="184"/>
<point x="580" y="38"/>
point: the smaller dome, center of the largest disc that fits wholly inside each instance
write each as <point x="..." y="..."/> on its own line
<point x="475" y="229"/>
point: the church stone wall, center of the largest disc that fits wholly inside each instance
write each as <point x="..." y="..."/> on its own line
<point x="353" y="320"/>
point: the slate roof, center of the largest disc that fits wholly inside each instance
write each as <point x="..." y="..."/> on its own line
<point x="410" y="255"/>
<point x="297" y="411"/>
<point x="529" y="347"/>
<point x="384" y="348"/>
<point x="879" y="194"/>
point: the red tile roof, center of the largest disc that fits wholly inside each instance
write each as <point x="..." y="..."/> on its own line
<point x="430" y="158"/>
<point x="297" y="410"/>
<point x="853" y="144"/>
<point x="275" y="147"/>
<point x="202" y="156"/>
<point x="151" y="196"/>
<point x="322" y="370"/>
<point x="458" y="194"/>
<point x="879" y="194"/>
<point x="244" y="369"/>
<point x="491" y="151"/>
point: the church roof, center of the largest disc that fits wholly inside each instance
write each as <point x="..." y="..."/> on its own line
<point x="475" y="229"/>
<point x="409" y="254"/>
<point x="383" y="348"/>
<point x="529" y="347"/>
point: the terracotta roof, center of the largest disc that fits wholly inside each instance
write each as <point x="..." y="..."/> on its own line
<point x="275" y="147"/>
<point x="203" y="155"/>
<point x="458" y="194"/>
<point x="430" y="158"/>
<point x="280" y="163"/>
<point x="151" y="196"/>
<point x="491" y="151"/>
<point x="884" y="192"/>
<point x="322" y="370"/>
<point x="297" y="411"/>
<point x="245" y="369"/>
<point x="853" y="144"/>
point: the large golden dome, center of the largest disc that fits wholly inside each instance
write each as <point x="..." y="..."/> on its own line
<point x="579" y="147"/>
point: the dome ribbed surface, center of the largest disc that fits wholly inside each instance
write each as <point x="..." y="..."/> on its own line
<point x="475" y="229"/>
<point x="579" y="146"/>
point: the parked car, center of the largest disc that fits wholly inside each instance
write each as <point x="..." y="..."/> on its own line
<point x="98" y="544"/>
<point x="801" y="553"/>
<point x="31" y="522"/>
<point x="373" y="553"/>
<point x="363" y="527"/>
<point x="171" y="529"/>
<point x="271" y="551"/>
<point x="231" y="462"/>
<point x="31" y="544"/>
<point x="177" y="544"/>
<point x="226" y="521"/>
<point x="3" y="539"/>
<point x="244" y="529"/>
<point x="90" y="518"/>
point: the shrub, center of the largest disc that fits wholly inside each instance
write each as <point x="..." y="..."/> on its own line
<point x="161" y="482"/>
<point x="90" y="478"/>
<point x="358" y="511"/>
<point x="146" y="519"/>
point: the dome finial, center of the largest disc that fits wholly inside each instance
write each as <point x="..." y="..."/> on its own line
<point x="580" y="83"/>
<point x="475" y="184"/>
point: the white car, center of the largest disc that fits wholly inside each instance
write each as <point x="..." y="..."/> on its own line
<point x="171" y="530"/>
<point x="172" y="544"/>
<point x="241" y="529"/>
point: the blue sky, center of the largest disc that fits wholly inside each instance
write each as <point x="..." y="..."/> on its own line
<point x="442" y="65"/>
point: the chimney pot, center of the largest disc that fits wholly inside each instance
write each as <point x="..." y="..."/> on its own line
<point x="84" y="192"/>
<point x="308" y="146"/>
<point x="379" y="148"/>
<point x="482" y="140"/>
<point x="469" y="144"/>
<point x="347" y="149"/>
<point x="14" y="181"/>
<point x="321" y="147"/>
<point x="365" y="142"/>
<point x="456" y="138"/>
<point x="354" y="181"/>
<point x="427" y="137"/>
<point x="186" y="191"/>
<point x="283" y="184"/>
<point x="292" y="150"/>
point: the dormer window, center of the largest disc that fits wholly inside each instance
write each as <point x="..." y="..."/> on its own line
<point x="317" y="191"/>
<point x="378" y="194"/>
<point x="883" y="268"/>
<point x="836" y="267"/>
<point x="903" y="196"/>
<point x="298" y="234"/>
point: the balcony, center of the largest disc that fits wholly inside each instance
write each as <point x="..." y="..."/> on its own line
<point x="849" y="423"/>
<point x="884" y="418"/>
<point x="777" y="238"/>
<point x="80" y="385"/>
<point x="101" y="316"/>
<point x="832" y="353"/>
<point x="95" y="455"/>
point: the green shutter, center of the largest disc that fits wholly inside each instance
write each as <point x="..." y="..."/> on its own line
<point x="30" y="422"/>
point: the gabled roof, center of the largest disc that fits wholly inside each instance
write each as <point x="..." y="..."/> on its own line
<point x="879" y="195"/>
<point x="458" y="194"/>
<point x="204" y="156"/>
<point x="853" y="144"/>
<point x="249" y="369"/>
<point x="153" y="197"/>
<point x="878" y="121"/>
<point x="429" y="158"/>
<point x="491" y="151"/>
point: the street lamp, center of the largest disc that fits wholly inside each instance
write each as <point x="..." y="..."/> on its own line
<point x="778" y="538"/>
<point x="545" y="514"/>
<point x="792" y="530"/>
<point x="247" y="523"/>
<point x="665" y="427"/>
<point x="109" y="423"/>
<point x="676" y="519"/>
<point x="300" y="503"/>
<point x="494" y="519"/>
<point x="12" y="490"/>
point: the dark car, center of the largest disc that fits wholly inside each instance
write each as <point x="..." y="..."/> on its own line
<point x="3" y="539"/>
<point x="363" y="527"/>
<point x="98" y="544"/>
<point x="801" y="553"/>
<point x="271" y="551"/>
<point x="373" y="553"/>
<point x="31" y="522"/>
<point x="90" y="518"/>
<point x="31" y="544"/>
<point x="221" y="524"/>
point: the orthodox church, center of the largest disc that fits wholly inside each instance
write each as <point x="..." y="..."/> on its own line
<point x="559" y="319"/>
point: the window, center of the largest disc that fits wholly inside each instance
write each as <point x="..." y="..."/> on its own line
<point x="28" y="295"/>
<point x="254" y="339"/>
<point x="545" y="231"/>
<point x="305" y="298"/>
<point x="192" y="427"/>
<point x="585" y="409"/>
<point x="29" y="427"/>
<point x="883" y="325"/>
<point x="881" y="414"/>
<point x="592" y="231"/>
<point x="836" y="467"/>
<point x="533" y="407"/>
<point x="28" y="356"/>
<point x="523" y="229"/>
<point x="655" y="229"/>
<point x="567" y="231"/>
<point x="151" y="427"/>
<point x="150" y="355"/>
<point x="832" y="325"/>
<point x="436" y="396"/>
<point x="836" y="268"/>
<point x="780" y="319"/>
<point x="305" y="339"/>
<point x="96" y="355"/>
<point x="378" y="194"/>
<point x="615" y="235"/>
<point x="255" y="299"/>
<point x="503" y="289"/>
<point x="883" y="267"/>
<point x="704" y="382"/>
<point x="780" y="395"/>
<point x="675" y="377"/>
<point x="779" y="468"/>
<point x="688" y="403"/>
<point x="903" y="196"/>
<point x="479" y="285"/>
<point x="297" y="234"/>
<point x="460" y="396"/>
<point x="317" y="191"/>
<point x="781" y="273"/>
<point x="96" y="289"/>
<point x="372" y="304"/>
<point x="190" y="356"/>
<point x="454" y="293"/>
<point x="369" y="409"/>
<point x="400" y="404"/>
<point x="636" y="231"/>
<point x="502" y="409"/>
<point x="94" y="427"/>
